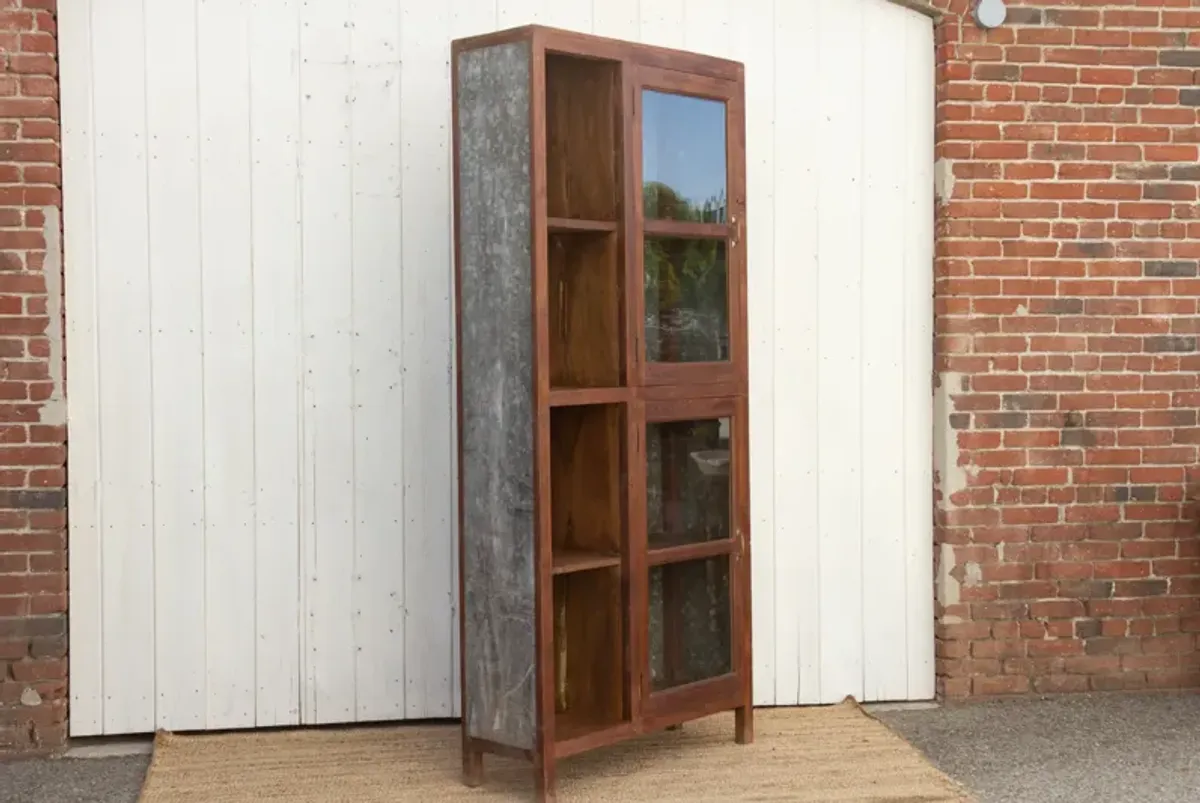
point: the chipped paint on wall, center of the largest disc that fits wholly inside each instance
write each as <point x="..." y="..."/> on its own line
<point x="54" y="409"/>
<point x="944" y="180"/>
<point x="952" y="476"/>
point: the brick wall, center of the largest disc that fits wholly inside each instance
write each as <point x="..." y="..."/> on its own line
<point x="33" y="601"/>
<point x="1067" y="321"/>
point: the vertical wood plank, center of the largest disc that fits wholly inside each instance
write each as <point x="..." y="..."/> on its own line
<point x="228" y="315"/>
<point x="619" y="19"/>
<point x="884" y="189"/>
<point x="796" y="563"/>
<point x="85" y="542"/>
<point x="918" y="352"/>
<point x="754" y="43"/>
<point x="662" y="22"/>
<point x="377" y="590"/>
<point x="707" y="25"/>
<point x="573" y="15"/>
<point x="839" y="321"/>
<point x="125" y="399"/>
<point x="274" y="82"/>
<point x="428" y="407"/>
<point x="472" y="17"/>
<point x="177" y="369"/>
<point x="328" y="539"/>
<point x="512" y="13"/>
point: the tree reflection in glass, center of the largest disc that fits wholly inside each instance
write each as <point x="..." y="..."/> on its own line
<point x="687" y="300"/>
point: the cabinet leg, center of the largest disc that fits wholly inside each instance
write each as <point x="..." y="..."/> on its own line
<point x="744" y="724"/>
<point x="472" y="758"/>
<point x="546" y="779"/>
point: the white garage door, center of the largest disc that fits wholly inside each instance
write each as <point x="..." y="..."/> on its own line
<point x="257" y="208"/>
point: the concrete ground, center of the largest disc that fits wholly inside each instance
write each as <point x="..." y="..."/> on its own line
<point x="1116" y="748"/>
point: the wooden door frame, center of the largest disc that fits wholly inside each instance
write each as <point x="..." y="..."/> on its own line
<point x="722" y="691"/>
<point x="645" y="373"/>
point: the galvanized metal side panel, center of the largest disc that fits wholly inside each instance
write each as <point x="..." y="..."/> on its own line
<point x="497" y="392"/>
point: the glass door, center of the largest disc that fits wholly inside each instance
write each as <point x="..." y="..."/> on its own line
<point x="693" y="495"/>
<point x="688" y="222"/>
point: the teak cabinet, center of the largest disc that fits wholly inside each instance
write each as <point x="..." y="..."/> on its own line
<point x="600" y="265"/>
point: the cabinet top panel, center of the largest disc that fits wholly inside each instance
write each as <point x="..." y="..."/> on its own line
<point x="559" y="40"/>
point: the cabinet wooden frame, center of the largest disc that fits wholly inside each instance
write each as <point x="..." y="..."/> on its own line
<point x="726" y="690"/>
<point x="590" y="393"/>
<point x="731" y="232"/>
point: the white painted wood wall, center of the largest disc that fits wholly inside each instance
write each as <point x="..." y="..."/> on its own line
<point x="257" y="207"/>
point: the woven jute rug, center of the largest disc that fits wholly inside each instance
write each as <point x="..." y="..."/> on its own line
<point x="828" y="753"/>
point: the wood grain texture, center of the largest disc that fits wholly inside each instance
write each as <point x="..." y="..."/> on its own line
<point x="589" y="639"/>
<point x="586" y="487"/>
<point x="585" y="283"/>
<point x="583" y="138"/>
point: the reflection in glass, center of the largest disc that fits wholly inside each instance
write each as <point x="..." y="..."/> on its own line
<point x="683" y="157"/>
<point x="690" y="622"/>
<point x="687" y="300"/>
<point x="687" y="482"/>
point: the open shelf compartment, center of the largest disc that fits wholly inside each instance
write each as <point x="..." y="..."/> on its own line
<point x="589" y="638"/>
<point x="583" y="139"/>
<point x="585" y="311"/>
<point x="584" y="202"/>
<point x="587" y="482"/>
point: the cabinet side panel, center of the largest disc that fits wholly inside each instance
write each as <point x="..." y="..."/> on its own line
<point x="497" y="392"/>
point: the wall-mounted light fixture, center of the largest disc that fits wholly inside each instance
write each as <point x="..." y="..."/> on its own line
<point x="990" y="13"/>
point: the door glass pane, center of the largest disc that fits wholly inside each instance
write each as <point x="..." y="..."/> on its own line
<point x="690" y="622"/>
<point x="687" y="300"/>
<point x="683" y="157"/>
<point x="687" y="479"/>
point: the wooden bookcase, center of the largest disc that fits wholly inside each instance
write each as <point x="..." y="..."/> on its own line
<point x="600" y="267"/>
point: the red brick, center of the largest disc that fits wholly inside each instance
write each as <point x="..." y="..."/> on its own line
<point x="1000" y="684"/>
<point x="32" y="519"/>
<point x="1069" y="292"/>
<point x="1059" y="684"/>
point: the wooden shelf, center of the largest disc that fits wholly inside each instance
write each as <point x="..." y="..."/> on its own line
<point x="566" y="225"/>
<point x="659" y="553"/>
<point x="686" y="229"/>
<point x="568" y="561"/>
<point x="573" y="735"/>
<point x="580" y="397"/>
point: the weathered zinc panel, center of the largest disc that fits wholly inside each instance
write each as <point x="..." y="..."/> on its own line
<point x="497" y="392"/>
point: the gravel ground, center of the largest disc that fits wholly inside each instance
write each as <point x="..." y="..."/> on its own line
<point x="1112" y="748"/>
<point x="73" y="780"/>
